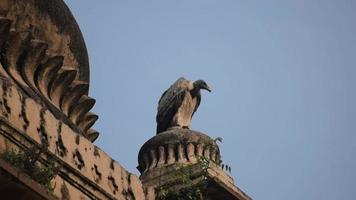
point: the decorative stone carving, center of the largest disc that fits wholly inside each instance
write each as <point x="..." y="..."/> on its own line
<point x="176" y="146"/>
<point x="52" y="24"/>
<point x="44" y="78"/>
<point x="171" y="157"/>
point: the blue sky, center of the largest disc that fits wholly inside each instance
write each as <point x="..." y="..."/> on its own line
<point x="282" y="74"/>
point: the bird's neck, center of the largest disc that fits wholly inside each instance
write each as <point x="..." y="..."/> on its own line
<point x="195" y="92"/>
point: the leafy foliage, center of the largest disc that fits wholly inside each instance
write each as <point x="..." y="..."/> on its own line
<point x="27" y="162"/>
<point x="194" y="185"/>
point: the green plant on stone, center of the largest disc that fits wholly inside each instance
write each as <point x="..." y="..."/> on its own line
<point x="193" y="184"/>
<point x="28" y="163"/>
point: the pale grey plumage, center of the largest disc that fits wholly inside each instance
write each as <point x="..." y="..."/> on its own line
<point x="178" y="104"/>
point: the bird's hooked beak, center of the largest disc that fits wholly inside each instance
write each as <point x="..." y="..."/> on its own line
<point x="207" y="88"/>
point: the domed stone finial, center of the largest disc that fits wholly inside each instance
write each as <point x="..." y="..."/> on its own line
<point x="176" y="147"/>
<point x="185" y="160"/>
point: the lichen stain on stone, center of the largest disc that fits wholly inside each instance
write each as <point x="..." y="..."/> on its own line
<point x="127" y="191"/>
<point x="5" y="108"/>
<point x="23" y="115"/>
<point x="78" y="159"/>
<point x="65" y="192"/>
<point x="42" y="129"/>
<point x="77" y="139"/>
<point x="97" y="173"/>
<point x="112" y="166"/>
<point x="62" y="150"/>
<point x="129" y="194"/>
<point x="96" y="151"/>
<point x="113" y="184"/>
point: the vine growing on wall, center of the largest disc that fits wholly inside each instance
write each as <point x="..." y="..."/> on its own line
<point x="193" y="184"/>
<point x="187" y="184"/>
<point x="27" y="161"/>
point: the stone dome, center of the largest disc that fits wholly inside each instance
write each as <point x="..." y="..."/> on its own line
<point x="51" y="22"/>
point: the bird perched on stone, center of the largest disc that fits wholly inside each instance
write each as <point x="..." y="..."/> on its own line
<point x="178" y="104"/>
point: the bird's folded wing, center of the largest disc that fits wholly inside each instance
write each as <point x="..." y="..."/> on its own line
<point x="169" y="103"/>
<point x="166" y="113"/>
<point x="172" y="93"/>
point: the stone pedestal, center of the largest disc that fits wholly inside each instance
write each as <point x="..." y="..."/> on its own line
<point x="183" y="160"/>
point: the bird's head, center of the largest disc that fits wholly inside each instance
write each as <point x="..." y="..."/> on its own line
<point x="200" y="84"/>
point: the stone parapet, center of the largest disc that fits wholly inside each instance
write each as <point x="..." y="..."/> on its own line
<point x="87" y="171"/>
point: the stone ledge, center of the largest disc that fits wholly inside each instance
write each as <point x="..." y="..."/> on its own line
<point x="20" y="183"/>
<point x="219" y="184"/>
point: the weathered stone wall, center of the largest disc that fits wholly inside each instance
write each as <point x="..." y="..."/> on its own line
<point x="87" y="173"/>
<point x="44" y="101"/>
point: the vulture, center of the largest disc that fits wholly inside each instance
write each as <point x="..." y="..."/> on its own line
<point x="178" y="104"/>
